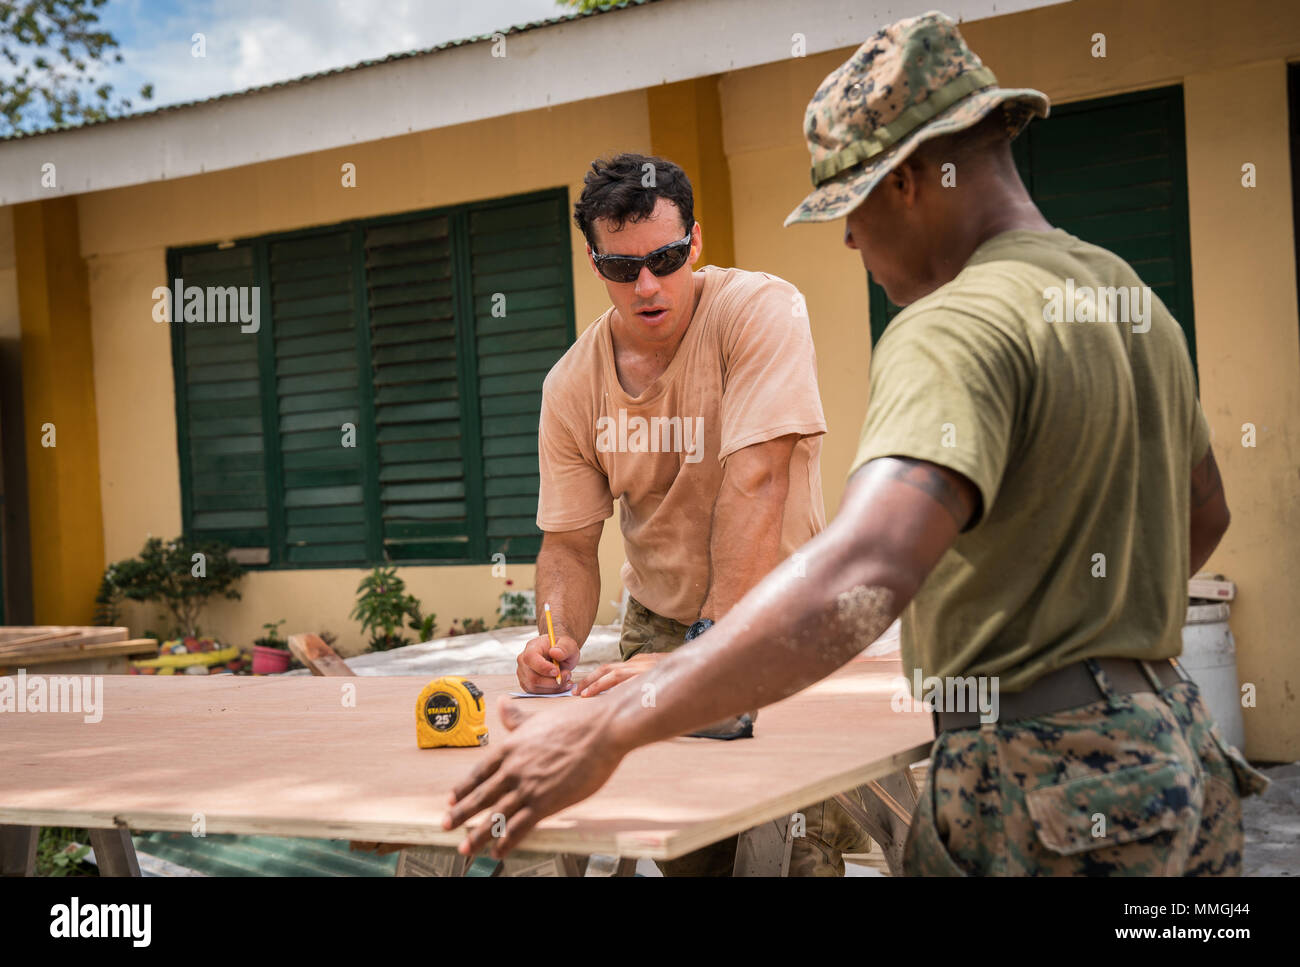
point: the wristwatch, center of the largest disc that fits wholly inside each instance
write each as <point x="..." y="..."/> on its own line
<point x="697" y="629"/>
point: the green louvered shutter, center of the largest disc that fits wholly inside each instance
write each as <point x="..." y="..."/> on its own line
<point x="219" y="410"/>
<point x="417" y="399"/>
<point x="1112" y="171"/>
<point x="316" y="392"/>
<point x="523" y="319"/>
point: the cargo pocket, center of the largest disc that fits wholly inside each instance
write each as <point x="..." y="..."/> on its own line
<point x="1114" y="808"/>
<point x="1250" y="781"/>
<point x="924" y="853"/>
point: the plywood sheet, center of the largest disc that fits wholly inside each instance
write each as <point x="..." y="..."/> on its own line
<point x="288" y="756"/>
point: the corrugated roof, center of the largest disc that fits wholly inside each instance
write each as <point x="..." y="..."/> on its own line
<point x="293" y="82"/>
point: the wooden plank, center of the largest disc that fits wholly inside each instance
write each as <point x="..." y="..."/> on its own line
<point x="98" y="650"/>
<point x="19" y="643"/>
<point x="319" y="657"/>
<point x="665" y="800"/>
<point x="68" y="637"/>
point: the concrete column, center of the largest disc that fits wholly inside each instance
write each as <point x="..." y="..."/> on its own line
<point x="686" y="128"/>
<point x="67" y="526"/>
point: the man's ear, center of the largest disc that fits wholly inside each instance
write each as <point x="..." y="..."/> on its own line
<point x="697" y="242"/>
<point x="591" y="260"/>
<point x="907" y="180"/>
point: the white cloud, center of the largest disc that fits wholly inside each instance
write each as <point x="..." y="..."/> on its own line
<point x="251" y="43"/>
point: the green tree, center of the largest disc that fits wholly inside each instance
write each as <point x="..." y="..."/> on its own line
<point x="49" y="52"/>
<point x="584" y="5"/>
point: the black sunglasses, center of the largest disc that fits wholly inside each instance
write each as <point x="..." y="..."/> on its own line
<point x="662" y="261"/>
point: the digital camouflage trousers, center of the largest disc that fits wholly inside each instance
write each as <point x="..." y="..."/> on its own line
<point x="1141" y="784"/>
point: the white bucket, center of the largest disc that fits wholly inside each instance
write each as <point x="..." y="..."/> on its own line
<point x="1210" y="658"/>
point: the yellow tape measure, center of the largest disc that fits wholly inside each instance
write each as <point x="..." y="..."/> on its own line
<point x="450" y="712"/>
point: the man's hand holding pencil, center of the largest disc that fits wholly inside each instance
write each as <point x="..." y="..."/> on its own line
<point x="547" y="662"/>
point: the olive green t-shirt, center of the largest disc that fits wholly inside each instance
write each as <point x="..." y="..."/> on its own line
<point x="1080" y="437"/>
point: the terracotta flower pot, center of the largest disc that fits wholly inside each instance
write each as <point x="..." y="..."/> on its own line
<point x="269" y="661"/>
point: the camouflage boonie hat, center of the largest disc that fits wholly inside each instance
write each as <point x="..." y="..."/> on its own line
<point x="912" y="81"/>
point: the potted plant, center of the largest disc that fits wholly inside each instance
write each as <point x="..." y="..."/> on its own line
<point x="270" y="652"/>
<point x="516" y="607"/>
<point x="383" y="607"/>
<point x="467" y="626"/>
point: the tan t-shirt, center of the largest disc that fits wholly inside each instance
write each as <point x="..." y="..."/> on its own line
<point x="744" y="373"/>
<point x="1081" y="437"/>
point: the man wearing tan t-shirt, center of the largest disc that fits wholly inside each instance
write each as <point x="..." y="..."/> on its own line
<point x="693" y="402"/>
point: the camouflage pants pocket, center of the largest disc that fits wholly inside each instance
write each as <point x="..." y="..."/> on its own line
<point x="1222" y="760"/>
<point x="1107" y="789"/>
<point x="1228" y="777"/>
<point x="1137" y="820"/>
<point x="926" y="852"/>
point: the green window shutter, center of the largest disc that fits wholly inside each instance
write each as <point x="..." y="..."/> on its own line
<point x="219" y="410"/>
<point x="417" y="398"/>
<point x="430" y="333"/>
<point x="523" y="323"/>
<point x="314" y="336"/>
<point x="1112" y="171"/>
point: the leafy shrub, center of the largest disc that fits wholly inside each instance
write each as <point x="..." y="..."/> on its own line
<point x="181" y="574"/>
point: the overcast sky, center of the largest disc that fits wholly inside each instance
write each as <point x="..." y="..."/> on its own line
<point x="253" y="42"/>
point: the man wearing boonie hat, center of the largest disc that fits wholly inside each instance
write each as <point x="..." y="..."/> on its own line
<point x="1033" y="486"/>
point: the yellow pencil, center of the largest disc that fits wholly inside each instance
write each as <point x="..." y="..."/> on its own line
<point x="550" y="631"/>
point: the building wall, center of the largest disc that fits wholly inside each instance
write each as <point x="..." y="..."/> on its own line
<point x="1232" y="70"/>
<point x="124" y="238"/>
<point x="1243" y="257"/>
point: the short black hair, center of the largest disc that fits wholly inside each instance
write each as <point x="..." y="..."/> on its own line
<point x="620" y="190"/>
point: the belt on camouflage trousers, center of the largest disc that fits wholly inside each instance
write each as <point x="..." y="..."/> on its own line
<point x="1070" y="687"/>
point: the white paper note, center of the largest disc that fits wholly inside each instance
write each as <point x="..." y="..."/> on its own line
<point x="567" y="693"/>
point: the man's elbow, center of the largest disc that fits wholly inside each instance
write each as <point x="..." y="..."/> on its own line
<point x="759" y="482"/>
<point x="1217" y="523"/>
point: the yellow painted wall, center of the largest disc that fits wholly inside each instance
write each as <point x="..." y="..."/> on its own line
<point x="1232" y="69"/>
<point x="124" y="237"/>
<point x="1248" y="350"/>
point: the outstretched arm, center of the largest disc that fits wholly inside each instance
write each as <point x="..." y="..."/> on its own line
<point x="897" y="519"/>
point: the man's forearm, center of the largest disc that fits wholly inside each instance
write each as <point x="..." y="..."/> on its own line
<point x="570" y="583"/>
